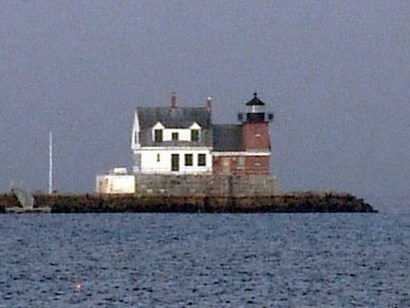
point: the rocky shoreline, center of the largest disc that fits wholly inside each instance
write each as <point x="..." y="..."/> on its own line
<point x="306" y="202"/>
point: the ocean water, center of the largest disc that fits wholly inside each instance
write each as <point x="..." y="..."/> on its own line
<point x="205" y="260"/>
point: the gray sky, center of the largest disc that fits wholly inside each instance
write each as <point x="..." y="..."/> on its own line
<point x="335" y="73"/>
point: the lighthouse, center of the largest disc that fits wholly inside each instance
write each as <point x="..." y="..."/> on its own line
<point x="255" y="136"/>
<point x="256" y="125"/>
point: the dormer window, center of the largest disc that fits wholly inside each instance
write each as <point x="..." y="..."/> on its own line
<point x="174" y="136"/>
<point x="195" y="135"/>
<point x="158" y="135"/>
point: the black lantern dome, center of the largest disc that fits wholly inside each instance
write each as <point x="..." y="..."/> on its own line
<point x="255" y="110"/>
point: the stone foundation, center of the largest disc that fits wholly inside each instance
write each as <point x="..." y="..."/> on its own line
<point x="205" y="185"/>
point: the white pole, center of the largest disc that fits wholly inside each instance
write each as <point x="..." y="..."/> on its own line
<point x="50" y="174"/>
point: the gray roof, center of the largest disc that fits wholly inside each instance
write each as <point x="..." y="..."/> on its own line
<point x="180" y="117"/>
<point x="227" y="137"/>
<point x="223" y="137"/>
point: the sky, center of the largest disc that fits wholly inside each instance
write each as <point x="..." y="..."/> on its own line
<point x="336" y="74"/>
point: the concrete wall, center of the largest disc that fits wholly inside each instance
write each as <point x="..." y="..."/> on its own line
<point x="205" y="185"/>
<point x="115" y="184"/>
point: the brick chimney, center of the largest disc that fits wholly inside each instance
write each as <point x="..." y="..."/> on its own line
<point x="173" y="101"/>
<point x="209" y="103"/>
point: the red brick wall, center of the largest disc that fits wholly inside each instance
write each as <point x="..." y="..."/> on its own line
<point x="241" y="164"/>
<point x="256" y="136"/>
<point x="257" y="165"/>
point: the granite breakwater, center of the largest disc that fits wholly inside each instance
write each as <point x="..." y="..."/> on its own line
<point x="306" y="202"/>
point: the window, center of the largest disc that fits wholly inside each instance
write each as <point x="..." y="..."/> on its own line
<point x="188" y="160"/>
<point x="158" y="157"/>
<point x="174" y="136"/>
<point x="195" y="135"/>
<point x="158" y="135"/>
<point x="135" y="137"/>
<point x="201" y="159"/>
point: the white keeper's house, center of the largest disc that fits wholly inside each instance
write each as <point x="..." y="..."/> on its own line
<point x="172" y="140"/>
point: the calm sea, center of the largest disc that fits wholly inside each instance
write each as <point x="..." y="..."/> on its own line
<point x="205" y="260"/>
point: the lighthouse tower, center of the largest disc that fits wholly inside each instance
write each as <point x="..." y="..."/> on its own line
<point x="255" y="136"/>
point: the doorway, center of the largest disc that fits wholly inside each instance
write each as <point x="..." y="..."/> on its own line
<point x="174" y="162"/>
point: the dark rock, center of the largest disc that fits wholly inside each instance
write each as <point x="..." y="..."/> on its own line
<point x="306" y="202"/>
